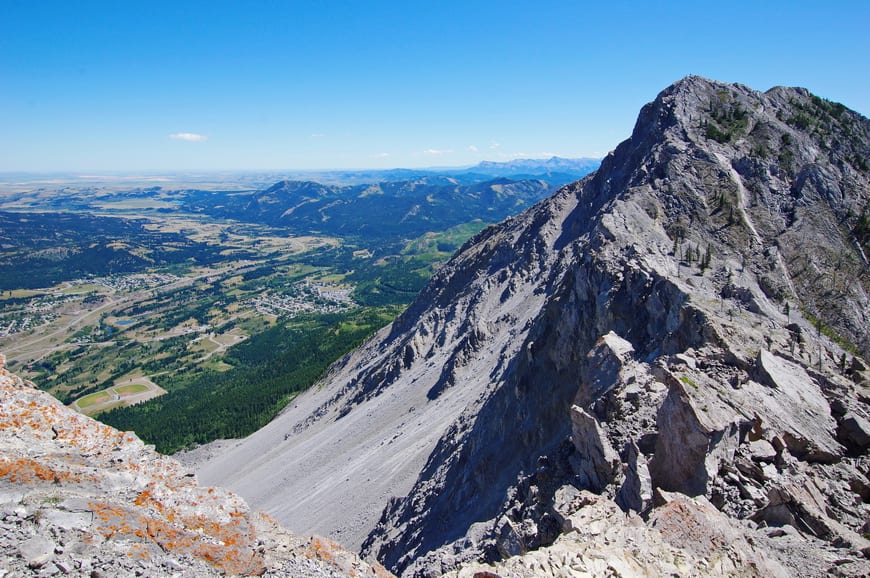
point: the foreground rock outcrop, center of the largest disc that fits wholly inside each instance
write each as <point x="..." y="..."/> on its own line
<point x="683" y="334"/>
<point x="685" y="537"/>
<point x="80" y="498"/>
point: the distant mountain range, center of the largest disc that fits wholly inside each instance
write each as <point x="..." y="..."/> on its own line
<point x="551" y="165"/>
<point x="377" y="211"/>
<point x="554" y="170"/>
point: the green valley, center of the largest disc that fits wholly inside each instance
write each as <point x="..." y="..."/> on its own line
<point x="189" y="314"/>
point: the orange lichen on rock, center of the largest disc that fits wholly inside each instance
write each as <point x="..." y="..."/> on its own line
<point x="331" y="553"/>
<point x="24" y="470"/>
<point x="139" y="552"/>
<point x="321" y="549"/>
<point x="229" y="547"/>
<point x="120" y="500"/>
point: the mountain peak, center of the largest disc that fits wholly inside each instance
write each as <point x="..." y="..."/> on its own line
<point x="690" y="319"/>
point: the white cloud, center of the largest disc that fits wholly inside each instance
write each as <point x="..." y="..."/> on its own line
<point x="188" y="136"/>
<point x="318" y="135"/>
<point x="541" y="155"/>
<point x="437" y="151"/>
<point x="494" y="145"/>
<point x="472" y="148"/>
<point x="379" y="155"/>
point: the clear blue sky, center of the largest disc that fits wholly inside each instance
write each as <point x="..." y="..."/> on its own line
<point x="133" y="85"/>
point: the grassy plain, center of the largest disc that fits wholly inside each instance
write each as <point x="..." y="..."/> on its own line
<point x="93" y="399"/>
<point x="227" y="317"/>
<point x="131" y="389"/>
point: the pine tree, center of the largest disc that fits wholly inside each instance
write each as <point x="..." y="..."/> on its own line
<point x="705" y="261"/>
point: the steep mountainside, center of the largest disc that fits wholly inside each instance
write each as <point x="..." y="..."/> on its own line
<point x="80" y="498"/>
<point x="680" y="334"/>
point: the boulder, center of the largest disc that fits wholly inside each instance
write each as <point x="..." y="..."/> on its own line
<point x="605" y="361"/>
<point x="636" y="491"/>
<point x="794" y="409"/>
<point x="689" y="446"/>
<point x="695" y="526"/>
<point x="802" y="504"/>
<point x="762" y="451"/>
<point x="854" y="431"/>
<point x="37" y="551"/>
<point x="596" y="463"/>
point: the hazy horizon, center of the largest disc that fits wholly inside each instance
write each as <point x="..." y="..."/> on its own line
<point x="120" y="172"/>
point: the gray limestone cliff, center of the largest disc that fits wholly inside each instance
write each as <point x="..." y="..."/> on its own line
<point x="682" y="333"/>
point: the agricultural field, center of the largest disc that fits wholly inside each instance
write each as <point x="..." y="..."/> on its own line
<point x="136" y="390"/>
<point x="131" y="310"/>
<point x="80" y="336"/>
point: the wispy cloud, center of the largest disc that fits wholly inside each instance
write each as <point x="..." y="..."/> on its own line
<point x="318" y="135"/>
<point x="540" y="155"/>
<point x="437" y="151"/>
<point x="188" y="136"/>
<point x="494" y="145"/>
<point x="379" y="155"/>
<point x="473" y="148"/>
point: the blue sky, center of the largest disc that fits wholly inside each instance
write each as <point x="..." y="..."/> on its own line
<point x="224" y="85"/>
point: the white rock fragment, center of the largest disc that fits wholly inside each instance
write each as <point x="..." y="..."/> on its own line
<point x="37" y="551"/>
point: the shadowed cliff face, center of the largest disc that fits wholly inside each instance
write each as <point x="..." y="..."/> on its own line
<point x="674" y="322"/>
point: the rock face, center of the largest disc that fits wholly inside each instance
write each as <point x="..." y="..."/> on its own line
<point x="688" y="321"/>
<point x="684" y="537"/>
<point x="80" y="498"/>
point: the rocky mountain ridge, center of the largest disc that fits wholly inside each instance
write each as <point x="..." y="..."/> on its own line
<point x="691" y="319"/>
<point x="79" y="498"/>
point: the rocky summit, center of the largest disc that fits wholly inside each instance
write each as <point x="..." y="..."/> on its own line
<point x="661" y="369"/>
<point x="79" y="498"/>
